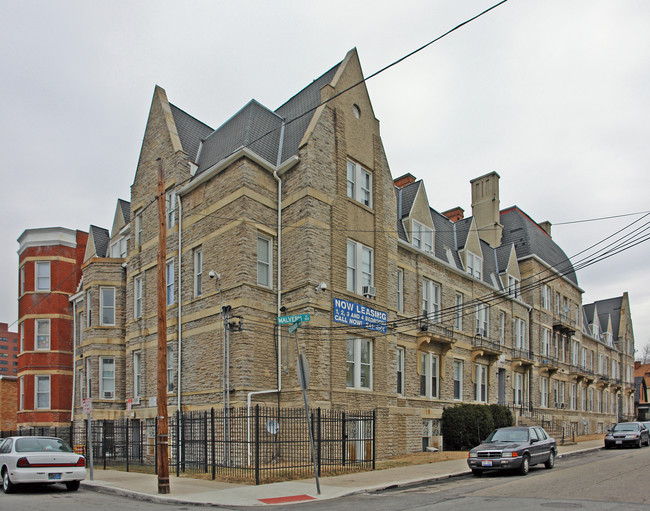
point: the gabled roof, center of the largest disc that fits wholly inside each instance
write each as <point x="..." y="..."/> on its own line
<point x="462" y="231"/>
<point x="125" y="206"/>
<point x="101" y="239"/>
<point x="254" y="127"/>
<point x="531" y="240"/>
<point x="608" y="309"/>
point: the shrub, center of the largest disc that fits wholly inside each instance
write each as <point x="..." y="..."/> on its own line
<point x="466" y="425"/>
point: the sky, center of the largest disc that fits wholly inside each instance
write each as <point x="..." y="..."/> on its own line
<point x="553" y="95"/>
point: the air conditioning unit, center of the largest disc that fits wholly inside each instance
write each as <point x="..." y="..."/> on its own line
<point x="107" y="395"/>
<point x="369" y="291"/>
<point x="135" y="400"/>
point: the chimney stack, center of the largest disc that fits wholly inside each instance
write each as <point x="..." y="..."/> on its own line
<point x="455" y="214"/>
<point x="485" y="208"/>
<point x="402" y="181"/>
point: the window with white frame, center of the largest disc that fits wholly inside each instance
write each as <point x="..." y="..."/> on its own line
<point x="591" y="399"/>
<point x="138" y="229"/>
<point x="42" y="330"/>
<point x="572" y="396"/>
<point x="42" y="392"/>
<point x="170" y="208"/>
<point x="513" y="286"/>
<point x="556" y="393"/>
<point x="89" y="386"/>
<point x="520" y="334"/>
<point x="429" y="369"/>
<point x="358" y="364"/>
<point x="482" y="319"/>
<point x="198" y="271"/>
<point x="562" y="393"/>
<point x="400" y="290"/>
<point x="107" y="377"/>
<point x="546" y="342"/>
<point x="474" y="265"/>
<point x="480" y="383"/>
<point x="546" y="297"/>
<point x="518" y="390"/>
<point x="502" y="328"/>
<point x="558" y="301"/>
<point x="21" y="327"/>
<point x="107" y="305"/>
<point x="170" y="368"/>
<point x="458" y="380"/>
<point x="170" y="279"/>
<point x="89" y="309"/>
<point x="359" y="182"/>
<point x="22" y="280"/>
<point x="575" y="347"/>
<point x="422" y="237"/>
<point x="264" y="246"/>
<point x="138" y="285"/>
<point x="458" y="312"/>
<point x="583" y="391"/>
<point x="359" y="267"/>
<point x="42" y="277"/>
<point x="137" y="373"/>
<point x="79" y="328"/>
<point x="543" y="401"/>
<point x="400" y="369"/>
<point x="21" y="402"/>
<point x="431" y="300"/>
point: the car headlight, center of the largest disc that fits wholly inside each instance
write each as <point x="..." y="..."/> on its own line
<point x="471" y="454"/>
<point x="509" y="454"/>
<point x="632" y="436"/>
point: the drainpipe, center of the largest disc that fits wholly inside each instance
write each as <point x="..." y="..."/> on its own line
<point x="74" y="356"/>
<point x="180" y="323"/>
<point x="279" y="297"/>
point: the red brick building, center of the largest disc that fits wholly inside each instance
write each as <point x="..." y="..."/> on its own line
<point x="49" y="272"/>
<point x="8" y="402"/>
<point x="8" y="351"/>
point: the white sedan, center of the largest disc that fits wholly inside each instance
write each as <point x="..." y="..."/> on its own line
<point x="38" y="459"/>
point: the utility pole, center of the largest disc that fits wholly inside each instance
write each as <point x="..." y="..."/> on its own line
<point x="162" y="463"/>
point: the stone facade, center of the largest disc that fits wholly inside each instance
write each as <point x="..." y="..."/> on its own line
<point x="463" y="311"/>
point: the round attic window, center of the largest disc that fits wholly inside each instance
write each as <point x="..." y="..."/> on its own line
<point x="356" y="110"/>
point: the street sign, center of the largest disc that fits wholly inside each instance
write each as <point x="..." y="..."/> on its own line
<point x="294" y="326"/>
<point x="303" y="371"/>
<point x="287" y="320"/>
<point x="87" y="405"/>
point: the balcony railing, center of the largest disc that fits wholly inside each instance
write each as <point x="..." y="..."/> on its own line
<point x="486" y="344"/>
<point x="548" y="362"/>
<point x="523" y="355"/>
<point x="564" y="323"/>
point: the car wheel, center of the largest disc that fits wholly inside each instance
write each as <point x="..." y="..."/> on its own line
<point x="639" y="444"/>
<point x="7" y="485"/>
<point x="72" y="485"/>
<point x="477" y="473"/>
<point x="607" y="446"/>
<point x="525" y="465"/>
<point x="550" y="462"/>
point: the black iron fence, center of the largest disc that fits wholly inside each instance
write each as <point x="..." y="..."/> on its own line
<point x="257" y="445"/>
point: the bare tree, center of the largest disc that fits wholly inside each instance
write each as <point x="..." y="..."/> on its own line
<point x="645" y="354"/>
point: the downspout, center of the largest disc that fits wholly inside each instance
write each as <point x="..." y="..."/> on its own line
<point x="279" y="295"/>
<point x="180" y="323"/>
<point x="74" y="356"/>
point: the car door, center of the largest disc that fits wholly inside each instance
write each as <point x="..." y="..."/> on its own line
<point x="545" y="444"/>
<point x="535" y="452"/>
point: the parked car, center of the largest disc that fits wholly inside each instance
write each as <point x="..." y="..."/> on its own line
<point x="627" y="433"/>
<point x="39" y="459"/>
<point x="515" y="448"/>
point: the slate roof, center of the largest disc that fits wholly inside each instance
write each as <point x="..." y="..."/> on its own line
<point x="190" y="131"/>
<point x="609" y="308"/>
<point x="503" y="256"/>
<point x="125" y="206"/>
<point x="101" y="238"/>
<point x="255" y="127"/>
<point x="530" y="239"/>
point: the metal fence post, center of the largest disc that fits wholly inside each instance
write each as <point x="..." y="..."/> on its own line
<point x="257" y="444"/>
<point x="343" y="438"/>
<point x="178" y="443"/>
<point x="214" y="473"/>
<point x="374" y="436"/>
<point x="127" y="444"/>
<point x="205" y="435"/>
<point x="104" y="442"/>
<point x="318" y="452"/>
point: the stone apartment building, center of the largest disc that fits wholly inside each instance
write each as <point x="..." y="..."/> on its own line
<point x="295" y="211"/>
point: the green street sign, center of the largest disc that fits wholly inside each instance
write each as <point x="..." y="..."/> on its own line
<point x="287" y="320"/>
<point x="294" y="326"/>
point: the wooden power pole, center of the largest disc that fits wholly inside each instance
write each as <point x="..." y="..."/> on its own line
<point x="162" y="463"/>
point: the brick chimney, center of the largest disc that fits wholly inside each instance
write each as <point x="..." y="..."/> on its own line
<point x="485" y="208"/>
<point x="455" y="214"/>
<point x="404" y="180"/>
<point x="546" y="226"/>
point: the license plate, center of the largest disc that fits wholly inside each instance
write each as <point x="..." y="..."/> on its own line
<point x="486" y="463"/>
<point x="54" y="476"/>
<point x="619" y="442"/>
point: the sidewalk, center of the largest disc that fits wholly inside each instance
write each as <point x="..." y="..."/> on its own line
<point x="186" y="490"/>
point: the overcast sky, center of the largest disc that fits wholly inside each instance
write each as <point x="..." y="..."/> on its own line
<point x="554" y="95"/>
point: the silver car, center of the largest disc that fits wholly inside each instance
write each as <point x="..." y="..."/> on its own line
<point x="42" y="460"/>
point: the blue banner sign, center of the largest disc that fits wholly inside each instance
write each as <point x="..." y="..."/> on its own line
<point x="359" y="315"/>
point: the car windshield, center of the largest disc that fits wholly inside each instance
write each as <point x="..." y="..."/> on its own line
<point x="508" y="435"/>
<point x="626" y="427"/>
<point x="36" y="444"/>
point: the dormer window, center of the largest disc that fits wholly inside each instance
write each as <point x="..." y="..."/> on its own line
<point x="513" y="286"/>
<point x="359" y="184"/>
<point x="422" y="237"/>
<point x="595" y="331"/>
<point x="474" y="265"/>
